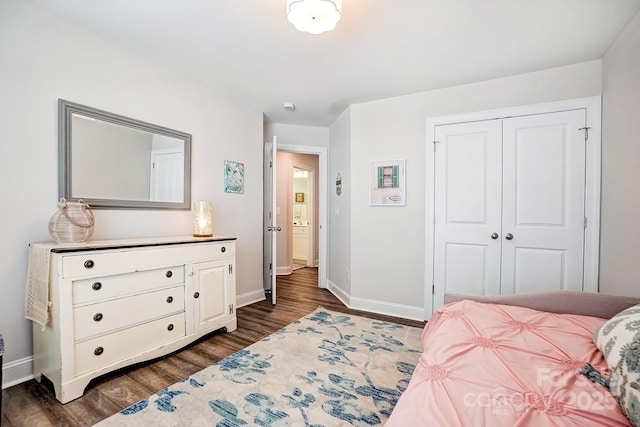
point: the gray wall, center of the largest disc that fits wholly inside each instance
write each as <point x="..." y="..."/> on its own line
<point x="620" y="230"/>
<point x="340" y="218"/>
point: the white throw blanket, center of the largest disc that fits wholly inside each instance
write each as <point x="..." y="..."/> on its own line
<point x="37" y="302"/>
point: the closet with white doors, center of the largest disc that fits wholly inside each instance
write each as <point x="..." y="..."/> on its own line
<point x="512" y="201"/>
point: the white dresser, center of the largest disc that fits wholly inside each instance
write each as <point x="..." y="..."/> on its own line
<point x="115" y="303"/>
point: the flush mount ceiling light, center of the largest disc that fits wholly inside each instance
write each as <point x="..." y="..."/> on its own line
<point x="314" y="16"/>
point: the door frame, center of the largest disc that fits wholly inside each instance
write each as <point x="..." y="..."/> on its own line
<point x="593" y="107"/>
<point x="321" y="220"/>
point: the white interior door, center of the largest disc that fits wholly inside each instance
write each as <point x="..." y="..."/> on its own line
<point x="167" y="170"/>
<point x="543" y="202"/>
<point x="270" y="227"/>
<point x="467" y="206"/>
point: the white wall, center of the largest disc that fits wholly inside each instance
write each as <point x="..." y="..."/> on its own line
<point x="340" y="207"/>
<point x="316" y="136"/>
<point x="620" y="230"/>
<point x="43" y="58"/>
<point x="387" y="243"/>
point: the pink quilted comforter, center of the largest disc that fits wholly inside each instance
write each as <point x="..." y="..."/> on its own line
<point x="497" y="365"/>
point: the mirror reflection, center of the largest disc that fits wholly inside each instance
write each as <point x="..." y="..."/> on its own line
<point x="113" y="161"/>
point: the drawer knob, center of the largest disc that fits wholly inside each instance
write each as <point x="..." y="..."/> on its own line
<point x="169" y="273"/>
<point x="170" y="327"/>
<point x="196" y="295"/>
<point x="96" y="286"/>
<point x="223" y="249"/>
<point x="89" y="263"/>
<point x="98" y="351"/>
<point x="97" y="317"/>
<point x="169" y="300"/>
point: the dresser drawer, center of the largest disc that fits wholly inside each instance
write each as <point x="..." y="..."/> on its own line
<point x="100" y="318"/>
<point x="109" y="287"/>
<point x="101" y="263"/>
<point x="102" y="351"/>
<point x="223" y="249"/>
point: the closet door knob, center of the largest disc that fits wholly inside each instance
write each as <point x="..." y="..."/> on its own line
<point x="196" y="295"/>
<point x="509" y="236"/>
<point x="494" y="236"/>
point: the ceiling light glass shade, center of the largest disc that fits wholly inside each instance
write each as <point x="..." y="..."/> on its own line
<point x="314" y="16"/>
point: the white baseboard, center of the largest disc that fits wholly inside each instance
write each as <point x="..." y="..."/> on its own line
<point x="250" y="298"/>
<point x="339" y="293"/>
<point x="17" y="372"/>
<point x="283" y="271"/>
<point x="388" y="309"/>
<point x="373" y="306"/>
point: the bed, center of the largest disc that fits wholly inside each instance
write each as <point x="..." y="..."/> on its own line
<point x="546" y="359"/>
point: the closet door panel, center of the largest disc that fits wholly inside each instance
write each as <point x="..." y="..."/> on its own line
<point x="543" y="202"/>
<point x="538" y="267"/>
<point x="475" y="278"/>
<point x="467" y="208"/>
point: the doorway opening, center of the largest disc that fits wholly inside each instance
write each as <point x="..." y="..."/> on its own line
<point x="278" y="211"/>
<point x="304" y="243"/>
<point x="297" y="194"/>
<point x="304" y="247"/>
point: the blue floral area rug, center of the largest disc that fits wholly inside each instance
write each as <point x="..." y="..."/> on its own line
<point x="326" y="369"/>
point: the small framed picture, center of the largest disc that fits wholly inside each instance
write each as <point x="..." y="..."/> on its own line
<point x="299" y="197"/>
<point x="387" y="183"/>
<point x="233" y="177"/>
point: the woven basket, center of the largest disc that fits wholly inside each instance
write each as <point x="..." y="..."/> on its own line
<point x="72" y="223"/>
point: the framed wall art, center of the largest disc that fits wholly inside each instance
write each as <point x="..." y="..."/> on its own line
<point x="233" y="177"/>
<point x="387" y="183"/>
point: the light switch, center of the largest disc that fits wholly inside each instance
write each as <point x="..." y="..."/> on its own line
<point x="336" y="211"/>
<point x="277" y="210"/>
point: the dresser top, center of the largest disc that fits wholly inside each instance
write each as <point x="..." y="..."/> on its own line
<point x="128" y="243"/>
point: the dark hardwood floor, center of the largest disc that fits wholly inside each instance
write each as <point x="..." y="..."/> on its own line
<point x="33" y="404"/>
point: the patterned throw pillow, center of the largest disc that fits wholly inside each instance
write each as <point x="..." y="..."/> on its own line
<point x="624" y="383"/>
<point x="619" y="341"/>
<point x="616" y="333"/>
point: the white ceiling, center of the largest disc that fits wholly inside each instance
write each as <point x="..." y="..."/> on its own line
<point x="380" y="48"/>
